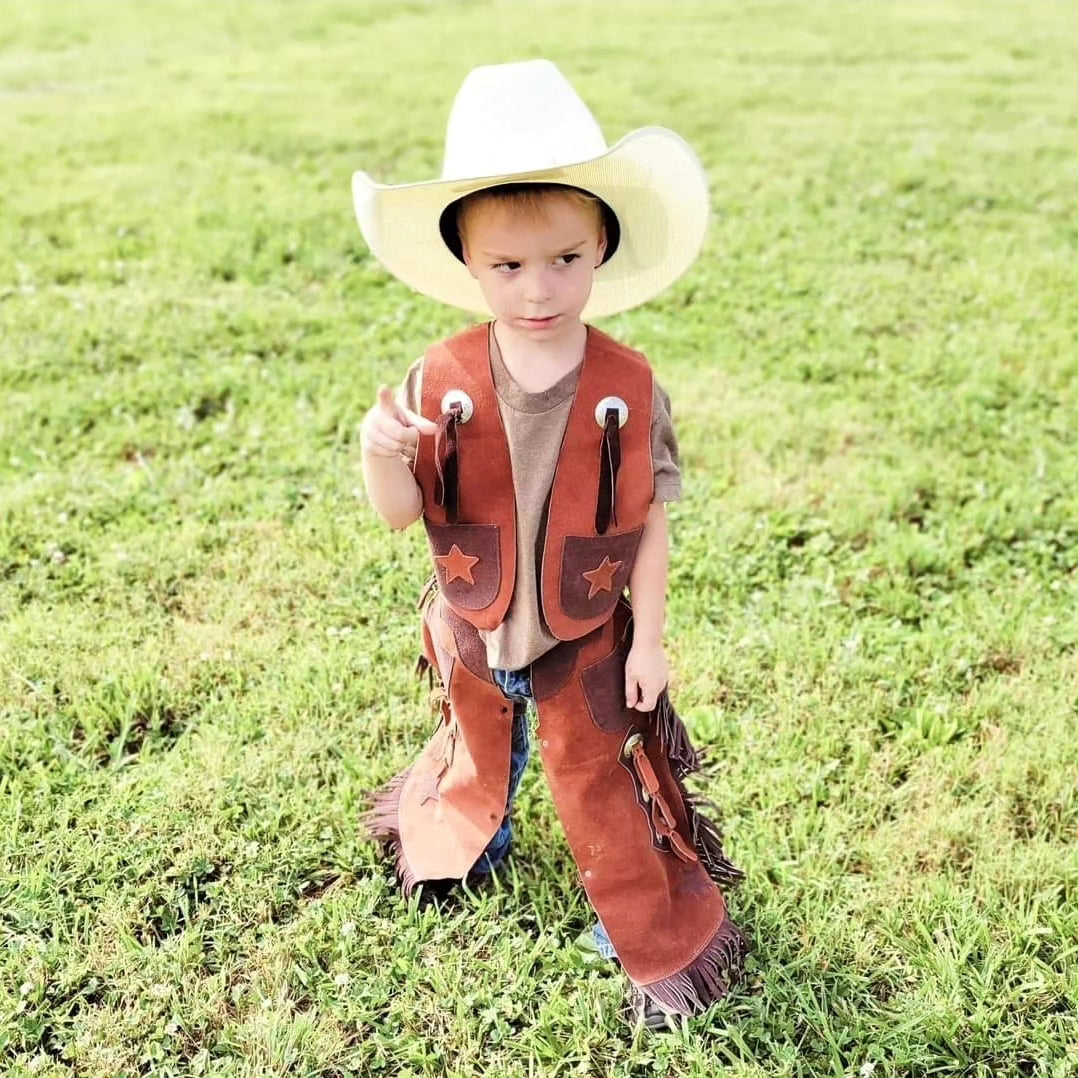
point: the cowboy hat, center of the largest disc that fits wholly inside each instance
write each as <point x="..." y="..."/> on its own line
<point x="524" y="123"/>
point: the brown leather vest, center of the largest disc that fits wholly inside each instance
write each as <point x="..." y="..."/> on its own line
<point x="469" y="507"/>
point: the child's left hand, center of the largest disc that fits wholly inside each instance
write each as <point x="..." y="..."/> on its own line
<point x="646" y="675"/>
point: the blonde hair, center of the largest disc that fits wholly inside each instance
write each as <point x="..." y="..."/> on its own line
<point x="527" y="199"/>
<point x="530" y="200"/>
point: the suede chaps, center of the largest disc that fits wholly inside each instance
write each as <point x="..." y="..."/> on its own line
<point x="650" y="862"/>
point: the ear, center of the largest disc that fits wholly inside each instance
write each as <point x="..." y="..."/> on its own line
<point x="466" y="254"/>
<point x="601" y="249"/>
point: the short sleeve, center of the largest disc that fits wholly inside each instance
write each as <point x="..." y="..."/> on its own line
<point x="664" y="454"/>
<point x="410" y="392"/>
<point x="409" y="395"/>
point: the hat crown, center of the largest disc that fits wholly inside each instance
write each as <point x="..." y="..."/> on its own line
<point x="516" y="118"/>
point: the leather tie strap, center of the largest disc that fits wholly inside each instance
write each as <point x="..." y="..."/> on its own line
<point x="662" y="820"/>
<point x="447" y="462"/>
<point x="609" y="464"/>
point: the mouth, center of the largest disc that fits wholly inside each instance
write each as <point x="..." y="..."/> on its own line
<point x="539" y="323"/>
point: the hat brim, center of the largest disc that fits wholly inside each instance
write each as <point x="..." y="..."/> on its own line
<point x="651" y="179"/>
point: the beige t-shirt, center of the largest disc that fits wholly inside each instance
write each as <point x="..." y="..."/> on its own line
<point x="534" y="425"/>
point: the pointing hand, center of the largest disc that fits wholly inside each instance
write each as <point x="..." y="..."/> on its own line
<point x="388" y="430"/>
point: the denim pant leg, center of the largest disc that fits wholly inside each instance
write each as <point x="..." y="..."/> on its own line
<point x="515" y="686"/>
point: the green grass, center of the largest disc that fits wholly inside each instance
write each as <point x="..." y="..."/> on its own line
<point x="206" y="638"/>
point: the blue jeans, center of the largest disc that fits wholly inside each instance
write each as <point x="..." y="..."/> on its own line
<point x="516" y="685"/>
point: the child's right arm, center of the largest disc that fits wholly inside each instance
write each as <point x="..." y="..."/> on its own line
<point x="389" y="435"/>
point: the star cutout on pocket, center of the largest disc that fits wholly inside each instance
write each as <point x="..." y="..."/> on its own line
<point x="602" y="577"/>
<point x="457" y="565"/>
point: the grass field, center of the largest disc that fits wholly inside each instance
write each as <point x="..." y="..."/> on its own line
<point x="206" y="638"/>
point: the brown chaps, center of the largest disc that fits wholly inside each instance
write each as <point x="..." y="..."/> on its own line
<point x="650" y="862"/>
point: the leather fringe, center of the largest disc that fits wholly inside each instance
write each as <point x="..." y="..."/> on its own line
<point x="708" y="978"/>
<point x="423" y="666"/>
<point x="707" y="838"/>
<point x="674" y="738"/>
<point x="382" y="823"/>
<point x="429" y="589"/>
<point x="382" y="820"/>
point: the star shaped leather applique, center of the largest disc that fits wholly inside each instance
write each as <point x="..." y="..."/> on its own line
<point x="428" y="787"/>
<point x="602" y="578"/>
<point x="457" y="565"/>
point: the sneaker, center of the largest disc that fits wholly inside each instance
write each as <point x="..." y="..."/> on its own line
<point x="642" y="1012"/>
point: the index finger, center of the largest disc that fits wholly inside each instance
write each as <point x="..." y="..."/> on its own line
<point x="421" y="423"/>
<point x="387" y="402"/>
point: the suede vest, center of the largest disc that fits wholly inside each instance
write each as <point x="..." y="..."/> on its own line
<point x="469" y="507"/>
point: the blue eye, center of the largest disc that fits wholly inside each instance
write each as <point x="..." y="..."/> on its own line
<point x="506" y="267"/>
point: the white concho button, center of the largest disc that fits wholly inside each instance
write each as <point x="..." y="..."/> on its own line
<point x="458" y="396"/>
<point x="611" y="402"/>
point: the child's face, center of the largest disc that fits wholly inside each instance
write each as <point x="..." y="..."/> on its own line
<point x="535" y="271"/>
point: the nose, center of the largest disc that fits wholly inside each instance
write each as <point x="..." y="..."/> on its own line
<point x="537" y="289"/>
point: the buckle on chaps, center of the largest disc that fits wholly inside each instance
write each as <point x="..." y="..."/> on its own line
<point x="649" y="796"/>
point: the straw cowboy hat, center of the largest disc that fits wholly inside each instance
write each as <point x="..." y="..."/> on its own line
<point x="524" y="123"/>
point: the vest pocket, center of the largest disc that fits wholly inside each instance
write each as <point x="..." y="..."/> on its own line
<point x="594" y="572"/>
<point x="467" y="562"/>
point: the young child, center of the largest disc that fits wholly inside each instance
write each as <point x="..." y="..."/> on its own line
<point x="539" y="453"/>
